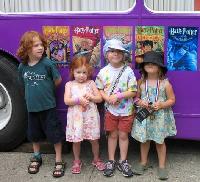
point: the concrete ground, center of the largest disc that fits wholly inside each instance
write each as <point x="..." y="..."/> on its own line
<point x="183" y="163"/>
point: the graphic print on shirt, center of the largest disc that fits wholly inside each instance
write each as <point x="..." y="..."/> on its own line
<point x="33" y="78"/>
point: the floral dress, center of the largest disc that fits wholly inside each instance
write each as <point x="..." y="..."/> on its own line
<point x="82" y="123"/>
<point x="161" y="126"/>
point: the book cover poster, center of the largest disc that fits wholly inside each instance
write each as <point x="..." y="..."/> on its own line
<point x="58" y="38"/>
<point x="123" y="33"/>
<point x="86" y="41"/>
<point x="148" y="38"/>
<point x="182" y="48"/>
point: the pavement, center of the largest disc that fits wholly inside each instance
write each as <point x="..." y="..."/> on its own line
<point x="183" y="163"/>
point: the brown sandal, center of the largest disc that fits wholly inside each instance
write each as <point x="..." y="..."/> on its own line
<point x="59" y="169"/>
<point x="34" y="165"/>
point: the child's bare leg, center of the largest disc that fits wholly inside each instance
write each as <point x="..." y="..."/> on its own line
<point x="161" y="150"/>
<point x="112" y="144"/>
<point x="59" y="167"/>
<point x="123" y="145"/>
<point x="95" y="149"/>
<point x="144" y="150"/>
<point x="58" y="151"/>
<point x="36" y="147"/>
<point x="96" y="161"/>
<point x="76" y="166"/>
<point x="76" y="150"/>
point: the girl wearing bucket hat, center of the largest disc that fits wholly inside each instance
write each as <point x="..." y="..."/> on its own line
<point x="117" y="85"/>
<point x="154" y="58"/>
<point x="155" y="93"/>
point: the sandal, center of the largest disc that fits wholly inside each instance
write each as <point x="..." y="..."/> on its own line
<point x="99" y="164"/>
<point x="34" y="165"/>
<point x="59" y="169"/>
<point x="76" y="167"/>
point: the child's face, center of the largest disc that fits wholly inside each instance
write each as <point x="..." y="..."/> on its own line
<point x="115" y="56"/>
<point x="37" y="50"/>
<point x="147" y="48"/>
<point x="80" y="74"/>
<point x="151" y="68"/>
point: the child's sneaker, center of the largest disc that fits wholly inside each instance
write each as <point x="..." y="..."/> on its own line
<point x="110" y="168"/>
<point x="124" y="167"/>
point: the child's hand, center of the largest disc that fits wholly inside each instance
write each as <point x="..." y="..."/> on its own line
<point x="143" y="103"/>
<point x="113" y="100"/>
<point x="88" y="96"/>
<point x="84" y="102"/>
<point x="106" y="98"/>
<point x="157" y="105"/>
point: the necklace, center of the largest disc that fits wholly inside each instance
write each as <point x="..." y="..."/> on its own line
<point x="152" y="116"/>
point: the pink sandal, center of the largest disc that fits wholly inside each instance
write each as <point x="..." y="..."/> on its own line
<point x="76" y="167"/>
<point x="99" y="164"/>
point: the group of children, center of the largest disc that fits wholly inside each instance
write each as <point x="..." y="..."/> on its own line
<point x="116" y="84"/>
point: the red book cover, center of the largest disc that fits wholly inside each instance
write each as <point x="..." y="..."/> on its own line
<point x="86" y="41"/>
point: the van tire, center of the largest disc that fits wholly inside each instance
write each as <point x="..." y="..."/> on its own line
<point x="13" y="131"/>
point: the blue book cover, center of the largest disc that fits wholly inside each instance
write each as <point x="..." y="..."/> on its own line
<point x="182" y="48"/>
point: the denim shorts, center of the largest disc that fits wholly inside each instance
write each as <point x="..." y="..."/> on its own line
<point x="45" y="125"/>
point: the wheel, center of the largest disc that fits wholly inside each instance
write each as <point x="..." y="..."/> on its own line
<point x="13" y="114"/>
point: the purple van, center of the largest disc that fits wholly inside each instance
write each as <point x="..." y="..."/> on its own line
<point x="175" y="35"/>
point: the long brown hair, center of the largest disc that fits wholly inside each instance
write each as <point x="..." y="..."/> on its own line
<point x="161" y="73"/>
<point x="26" y="44"/>
<point x="79" y="61"/>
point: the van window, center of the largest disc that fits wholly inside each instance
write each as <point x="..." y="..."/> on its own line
<point x="171" y="5"/>
<point x="14" y="6"/>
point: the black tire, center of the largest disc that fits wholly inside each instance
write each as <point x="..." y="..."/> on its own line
<point x="14" y="131"/>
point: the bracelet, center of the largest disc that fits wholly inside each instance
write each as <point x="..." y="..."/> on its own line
<point x="77" y="101"/>
<point x="120" y="95"/>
